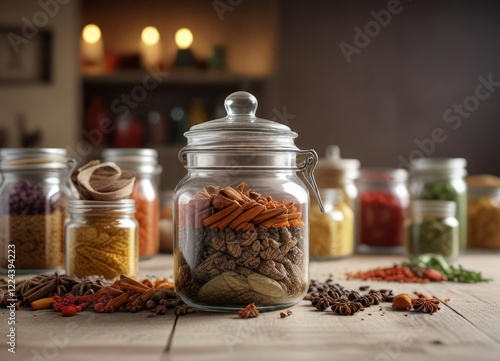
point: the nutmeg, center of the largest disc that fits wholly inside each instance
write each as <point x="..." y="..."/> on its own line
<point x="402" y="302"/>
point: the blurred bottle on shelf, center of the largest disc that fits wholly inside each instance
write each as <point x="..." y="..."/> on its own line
<point x="178" y="125"/>
<point x="96" y="119"/>
<point x="129" y="132"/>
<point x="197" y="112"/>
<point x="156" y="129"/>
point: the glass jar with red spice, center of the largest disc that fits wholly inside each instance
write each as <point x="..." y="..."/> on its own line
<point x="381" y="209"/>
<point x="144" y="164"/>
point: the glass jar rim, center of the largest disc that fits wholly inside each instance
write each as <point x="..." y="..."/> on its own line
<point x="434" y="206"/>
<point x="137" y="160"/>
<point x="76" y="206"/>
<point x="438" y="164"/>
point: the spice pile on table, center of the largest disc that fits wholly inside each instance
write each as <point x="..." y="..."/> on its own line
<point x="341" y="301"/>
<point x="71" y="295"/>
<point x="424" y="268"/>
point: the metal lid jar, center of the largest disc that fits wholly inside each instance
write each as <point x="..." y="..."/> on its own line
<point x="241" y="213"/>
<point x="33" y="199"/>
<point x="144" y="164"/>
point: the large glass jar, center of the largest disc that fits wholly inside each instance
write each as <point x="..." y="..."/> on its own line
<point x="241" y="213"/>
<point x="334" y="172"/>
<point x="33" y="200"/>
<point x="442" y="179"/>
<point x="433" y="228"/>
<point x="381" y="210"/>
<point x="332" y="231"/>
<point x="144" y="164"/>
<point x="102" y="239"/>
<point x="483" y="217"/>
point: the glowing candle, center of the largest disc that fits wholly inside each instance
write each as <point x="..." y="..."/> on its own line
<point x="150" y="47"/>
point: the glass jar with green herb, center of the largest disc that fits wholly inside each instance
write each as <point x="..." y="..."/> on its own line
<point x="433" y="229"/>
<point x="442" y="179"/>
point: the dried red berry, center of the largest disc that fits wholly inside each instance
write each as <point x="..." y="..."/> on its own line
<point x="68" y="311"/>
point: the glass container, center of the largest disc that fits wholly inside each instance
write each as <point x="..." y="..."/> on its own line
<point x="241" y="213"/>
<point x="331" y="232"/>
<point x="33" y="199"/>
<point x="144" y="164"/>
<point x="442" y="179"/>
<point x="102" y="239"/>
<point x="336" y="172"/>
<point x="381" y="209"/>
<point x="483" y="217"/>
<point x="433" y="229"/>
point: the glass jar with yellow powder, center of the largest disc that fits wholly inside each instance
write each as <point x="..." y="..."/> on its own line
<point x="331" y="232"/>
<point x="102" y="239"/>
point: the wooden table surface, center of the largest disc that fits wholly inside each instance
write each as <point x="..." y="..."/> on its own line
<point x="466" y="328"/>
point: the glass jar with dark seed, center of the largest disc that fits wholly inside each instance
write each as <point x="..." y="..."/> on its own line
<point x="33" y="198"/>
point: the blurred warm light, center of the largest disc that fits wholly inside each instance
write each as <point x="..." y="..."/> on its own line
<point x="183" y="38"/>
<point x="91" y="33"/>
<point x="150" y="35"/>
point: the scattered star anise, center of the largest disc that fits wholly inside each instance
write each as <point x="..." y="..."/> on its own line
<point x="249" y="312"/>
<point x="345" y="307"/>
<point x="322" y="300"/>
<point x="426" y="305"/>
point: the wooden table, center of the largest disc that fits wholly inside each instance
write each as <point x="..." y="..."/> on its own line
<point x="466" y="328"/>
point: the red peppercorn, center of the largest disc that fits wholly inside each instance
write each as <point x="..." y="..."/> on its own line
<point x="68" y="311"/>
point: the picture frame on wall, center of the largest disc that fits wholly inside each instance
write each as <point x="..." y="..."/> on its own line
<point x="23" y="60"/>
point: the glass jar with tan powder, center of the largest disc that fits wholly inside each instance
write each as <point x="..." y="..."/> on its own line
<point x="332" y="231"/>
<point x="102" y="239"/>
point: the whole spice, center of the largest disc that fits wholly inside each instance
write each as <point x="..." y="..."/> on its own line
<point x="249" y="312"/>
<point x="68" y="311"/>
<point x="286" y="313"/>
<point x="237" y="246"/>
<point x="426" y="305"/>
<point x="402" y="302"/>
<point x="345" y="307"/>
<point x="42" y="303"/>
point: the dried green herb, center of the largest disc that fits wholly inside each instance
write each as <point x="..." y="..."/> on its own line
<point x="452" y="273"/>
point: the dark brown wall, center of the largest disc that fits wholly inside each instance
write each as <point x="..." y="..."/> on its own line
<point x="397" y="89"/>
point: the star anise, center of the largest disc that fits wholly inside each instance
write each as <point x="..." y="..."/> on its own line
<point x="249" y="312"/>
<point x="426" y="305"/>
<point x="321" y="300"/>
<point x="345" y="307"/>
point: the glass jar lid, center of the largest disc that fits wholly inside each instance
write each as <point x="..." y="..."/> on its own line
<point x="440" y="166"/>
<point x="33" y="158"/>
<point x="334" y="165"/>
<point x="241" y="128"/>
<point x="384" y="174"/>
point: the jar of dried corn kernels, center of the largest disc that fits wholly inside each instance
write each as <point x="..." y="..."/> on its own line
<point x="102" y="239"/>
<point x="241" y="214"/>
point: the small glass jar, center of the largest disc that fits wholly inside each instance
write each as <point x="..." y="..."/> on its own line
<point x="33" y="199"/>
<point x="442" y="179"/>
<point x="102" y="239"/>
<point x="381" y="209"/>
<point x="339" y="173"/>
<point x="331" y="232"/>
<point x="144" y="164"/>
<point x="433" y="229"/>
<point x="483" y="217"/>
<point x="241" y="214"/>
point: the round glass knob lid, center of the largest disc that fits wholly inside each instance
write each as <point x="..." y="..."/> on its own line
<point x="241" y="103"/>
